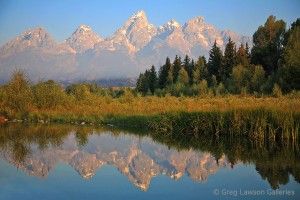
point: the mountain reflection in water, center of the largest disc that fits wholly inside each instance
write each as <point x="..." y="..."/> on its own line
<point x="37" y="149"/>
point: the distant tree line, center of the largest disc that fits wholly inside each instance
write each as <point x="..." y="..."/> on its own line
<point x="272" y="66"/>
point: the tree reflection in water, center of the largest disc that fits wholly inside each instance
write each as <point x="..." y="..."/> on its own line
<point x="140" y="155"/>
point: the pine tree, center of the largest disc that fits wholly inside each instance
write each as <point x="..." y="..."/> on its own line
<point x="202" y="66"/>
<point x="152" y="79"/>
<point x="241" y="56"/>
<point x="186" y="62"/>
<point x="229" y="60"/>
<point x="163" y="73"/>
<point x="176" y="68"/>
<point x="193" y="68"/>
<point x="142" y="85"/>
<point x="170" y="78"/>
<point x="188" y="66"/>
<point x="138" y="83"/>
<point x="247" y="49"/>
<point x="215" y="60"/>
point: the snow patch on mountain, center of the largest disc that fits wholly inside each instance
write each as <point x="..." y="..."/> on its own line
<point x="82" y="39"/>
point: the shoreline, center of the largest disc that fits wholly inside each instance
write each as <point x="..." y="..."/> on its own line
<point x="258" y="123"/>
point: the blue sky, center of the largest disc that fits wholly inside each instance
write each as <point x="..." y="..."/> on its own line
<point x="62" y="17"/>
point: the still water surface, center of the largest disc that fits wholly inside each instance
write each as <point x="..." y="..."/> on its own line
<point x="77" y="162"/>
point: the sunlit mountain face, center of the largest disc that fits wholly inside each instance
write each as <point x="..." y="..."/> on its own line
<point x="130" y="50"/>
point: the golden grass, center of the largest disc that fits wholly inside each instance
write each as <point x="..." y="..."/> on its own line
<point x="154" y="105"/>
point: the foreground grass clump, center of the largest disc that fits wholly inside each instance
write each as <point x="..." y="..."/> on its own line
<point x="258" y="123"/>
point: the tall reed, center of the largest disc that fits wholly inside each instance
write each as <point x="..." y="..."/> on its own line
<point x="259" y="123"/>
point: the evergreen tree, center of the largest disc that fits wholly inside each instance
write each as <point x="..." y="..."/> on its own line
<point x="201" y="62"/>
<point x="247" y="49"/>
<point x="229" y="60"/>
<point x="170" y="78"/>
<point x="176" y="68"/>
<point x="186" y="62"/>
<point x="202" y="66"/>
<point x="214" y="81"/>
<point x="188" y="67"/>
<point x="144" y="83"/>
<point x="192" y="69"/>
<point x="215" y="61"/>
<point x="241" y="56"/>
<point x="152" y="79"/>
<point x="138" y="83"/>
<point x="163" y="73"/>
<point x="267" y="46"/>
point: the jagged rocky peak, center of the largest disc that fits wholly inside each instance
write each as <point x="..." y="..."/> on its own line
<point x="83" y="38"/>
<point x="195" y="25"/>
<point x="136" y="21"/>
<point x="83" y="28"/>
<point x="197" y="20"/>
<point x="37" y="37"/>
<point x="201" y="35"/>
<point x="136" y="44"/>
<point x="137" y="30"/>
<point x="139" y="15"/>
<point x="169" y="26"/>
<point x="172" y="24"/>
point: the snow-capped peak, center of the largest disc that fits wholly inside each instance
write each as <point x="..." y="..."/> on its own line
<point x="137" y="31"/>
<point x="199" y="19"/>
<point x="197" y="23"/>
<point x="171" y="25"/>
<point x="84" y="27"/>
<point x="139" y="14"/>
<point x="37" y="36"/>
<point x="83" y="39"/>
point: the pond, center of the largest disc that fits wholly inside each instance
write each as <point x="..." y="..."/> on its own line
<point x="85" y="162"/>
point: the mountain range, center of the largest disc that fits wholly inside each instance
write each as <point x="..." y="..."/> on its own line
<point x="130" y="50"/>
<point x="138" y="159"/>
